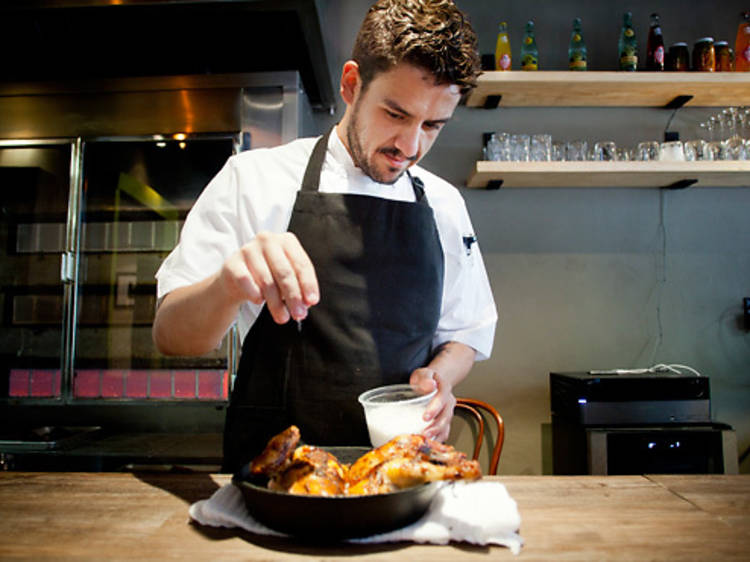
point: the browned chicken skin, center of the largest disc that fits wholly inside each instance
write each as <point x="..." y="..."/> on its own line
<point x="277" y="453"/>
<point x="313" y="472"/>
<point x="406" y="461"/>
<point x="405" y="446"/>
<point x="403" y="462"/>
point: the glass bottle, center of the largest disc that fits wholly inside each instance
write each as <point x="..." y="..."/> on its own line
<point x="577" y="49"/>
<point x="655" y="45"/>
<point x="529" y="51"/>
<point x="724" y="57"/>
<point x="704" y="55"/>
<point x="628" y="46"/>
<point x="742" y="45"/>
<point x="678" y="58"/>
<point x="503" y="58"/>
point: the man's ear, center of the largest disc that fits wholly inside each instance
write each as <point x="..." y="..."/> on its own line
<point x="350" y="81"/>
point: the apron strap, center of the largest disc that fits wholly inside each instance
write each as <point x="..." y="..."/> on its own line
<point x="311" y="179"/>
<point x="418" y="187"/>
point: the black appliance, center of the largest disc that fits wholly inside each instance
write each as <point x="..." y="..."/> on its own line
<point x="607" y="423"/>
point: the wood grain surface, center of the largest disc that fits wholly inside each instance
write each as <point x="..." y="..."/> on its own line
<point x="608" y="89"/>
<point x="610" y="174"/>
<point x="123" y="516"/>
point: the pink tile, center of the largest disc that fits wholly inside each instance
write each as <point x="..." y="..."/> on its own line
<point x="43" y="383"/>
<point x="113" y="383"/>
<point x="18" y="385"/>
<point x="184" y="384"/>
<point x="86" y="383"/>
<point x="161" y="384"/>
<point x="210" y="385"/>
<point x="137" y="384"/>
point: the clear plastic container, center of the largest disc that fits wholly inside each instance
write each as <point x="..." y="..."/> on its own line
<point x="394" y="410"/>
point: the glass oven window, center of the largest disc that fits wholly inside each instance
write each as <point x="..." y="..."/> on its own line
<point x="136" y="195"/>
<point x="34" y="190"/>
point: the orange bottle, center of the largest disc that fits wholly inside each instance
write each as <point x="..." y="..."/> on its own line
<point x="742" y="46"/>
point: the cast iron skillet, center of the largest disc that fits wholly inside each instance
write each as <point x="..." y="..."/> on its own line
<point x="333" y="518"/>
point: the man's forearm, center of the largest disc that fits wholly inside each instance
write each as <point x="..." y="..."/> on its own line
<point x="192" y="320"/>
<point x="452" y="362"/>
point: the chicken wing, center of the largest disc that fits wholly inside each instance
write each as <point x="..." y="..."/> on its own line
<point x="276" y="456"/>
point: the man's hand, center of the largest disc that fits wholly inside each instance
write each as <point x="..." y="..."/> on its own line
<point x="439" y="411"/>
<point x="192" y="320"/>
<point x="448" y="367"/>
<point x="274" y="268"/>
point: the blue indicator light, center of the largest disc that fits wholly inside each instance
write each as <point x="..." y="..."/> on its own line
<point x="581" y="400"/>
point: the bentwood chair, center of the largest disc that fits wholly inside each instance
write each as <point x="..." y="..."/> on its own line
<point x="475" y="409"/>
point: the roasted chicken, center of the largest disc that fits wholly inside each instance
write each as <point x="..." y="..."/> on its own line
<point x="403" y="462"/>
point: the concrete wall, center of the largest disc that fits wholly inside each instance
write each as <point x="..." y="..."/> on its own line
<point x="594" y="278"/>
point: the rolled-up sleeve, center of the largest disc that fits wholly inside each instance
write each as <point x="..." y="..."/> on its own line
<point x="208" y="237"/>
<point x="468" y="314"/>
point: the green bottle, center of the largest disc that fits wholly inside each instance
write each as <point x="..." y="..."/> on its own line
<point x="628" y="46"/>
<point x="529" y="51"/>
<point x="577" y="48"/>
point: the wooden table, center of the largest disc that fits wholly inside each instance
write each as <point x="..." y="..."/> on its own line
<point x="144" y="516"/>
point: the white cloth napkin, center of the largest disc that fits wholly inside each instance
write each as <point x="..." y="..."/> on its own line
<point x="480" y="512"/>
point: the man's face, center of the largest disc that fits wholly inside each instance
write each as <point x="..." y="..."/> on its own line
<point x="393" y="124"/>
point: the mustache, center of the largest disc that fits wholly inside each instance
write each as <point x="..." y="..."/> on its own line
<point x="396" y="153"/>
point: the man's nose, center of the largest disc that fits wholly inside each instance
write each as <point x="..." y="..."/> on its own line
<point x="407" y="141"/>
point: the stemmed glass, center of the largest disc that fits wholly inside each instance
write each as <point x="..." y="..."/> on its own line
<point x="727" y="134"/>
<point x="734" y="145"/>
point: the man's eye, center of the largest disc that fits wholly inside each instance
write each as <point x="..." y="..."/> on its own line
<point x="393" y="115"/>
<point x="433" y="126"/>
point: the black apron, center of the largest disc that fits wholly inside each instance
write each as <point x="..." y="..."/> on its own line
<point x="379" y="265"/>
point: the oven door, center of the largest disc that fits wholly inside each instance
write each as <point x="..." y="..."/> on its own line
<point x="136" y="195"/>
<point x="35" y="178"/>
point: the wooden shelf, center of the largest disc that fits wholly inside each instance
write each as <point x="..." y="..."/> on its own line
<point x="609" y="174"/>
<point x="609" y="89"/>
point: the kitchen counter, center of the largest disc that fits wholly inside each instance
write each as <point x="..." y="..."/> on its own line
<point x="144" y="515"/>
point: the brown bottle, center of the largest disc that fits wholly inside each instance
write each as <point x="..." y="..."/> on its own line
<point x="655" y="45"/>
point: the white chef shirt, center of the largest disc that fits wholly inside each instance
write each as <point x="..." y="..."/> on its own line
<point x="256" y="190"/>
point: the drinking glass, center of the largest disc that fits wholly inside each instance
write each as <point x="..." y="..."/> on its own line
<point x="696" y="150"/>
<point x="719" y="150"/>
<point x="558" y="151"/>
<point x="576" y="151"/>
<point x="540" y="148"/>
<point x="605" y="151"/>
<point x="497" y="147"/>
<point x="647" y="150"/>
<point x="504" y="139"/>
<point x="519" y="148"/>
<point x="671" y="152"/>
<point x="624" y="154"/>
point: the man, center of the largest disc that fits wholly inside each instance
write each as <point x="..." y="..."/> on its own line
<point x="348" y="266"/>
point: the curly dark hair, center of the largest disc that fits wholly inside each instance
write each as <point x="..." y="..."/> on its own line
<point x="431" y="34"/>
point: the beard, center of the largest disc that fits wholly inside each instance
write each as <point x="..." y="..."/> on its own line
<point x="368" y="167"/>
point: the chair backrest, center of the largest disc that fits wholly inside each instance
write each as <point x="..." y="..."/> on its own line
<point x="473" y="408"/>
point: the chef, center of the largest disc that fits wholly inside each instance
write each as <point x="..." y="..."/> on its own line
<point x="346" y="265"/>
